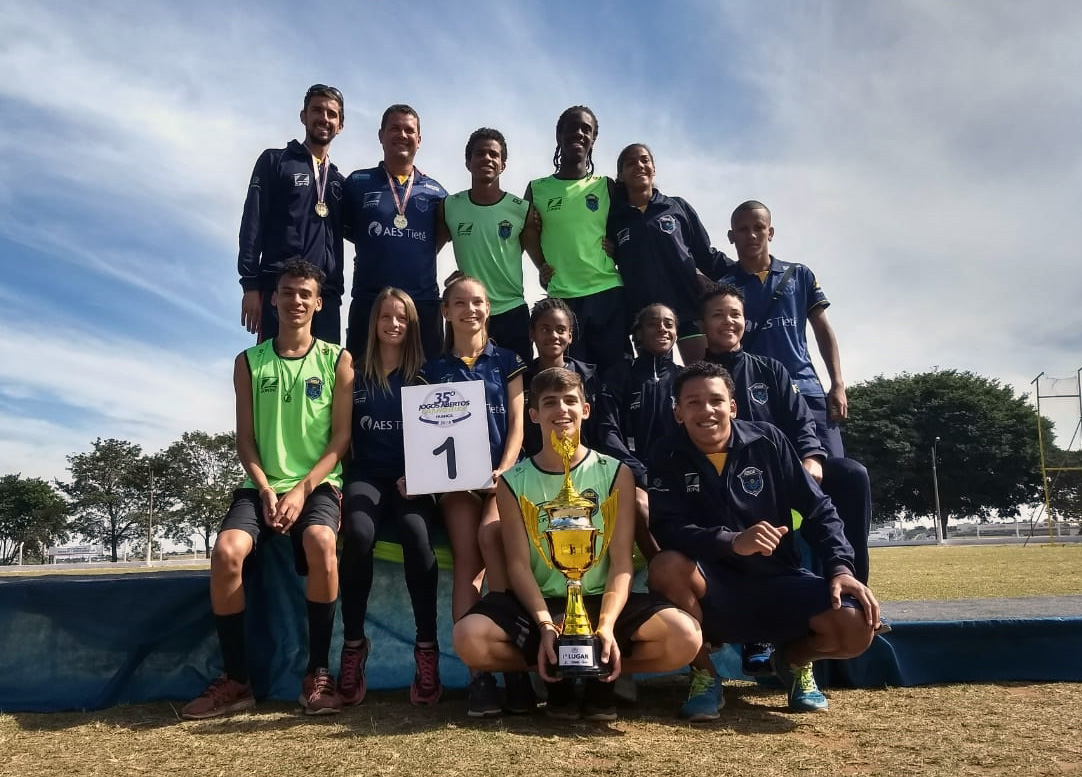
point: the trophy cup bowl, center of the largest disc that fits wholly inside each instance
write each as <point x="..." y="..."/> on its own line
<point x="571" y="540"/>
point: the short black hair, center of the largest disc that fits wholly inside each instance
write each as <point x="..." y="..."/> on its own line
<point x="749" y="205"/>
<point x="641" y="316"/>
<point x="295" y="267"/>
<point x="331" y="93"/>
<point x="548" y="305"/>
<point x="702" y="369"/>
<point x="486" y="133"/>
<point x="554" y="379"/>
<point x="399" y="108"/>
<point x="719" y="290"/>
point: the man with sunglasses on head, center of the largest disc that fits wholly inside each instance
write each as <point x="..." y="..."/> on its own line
<point x="294" y="211"/>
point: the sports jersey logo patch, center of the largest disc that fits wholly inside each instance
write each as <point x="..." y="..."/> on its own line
<point x="268" y="385"/>
<point x="421" y="203"/>
<point x="636" y="400"/>
<point x="465" y="229"/>
<point x="360" y="396"/>
<point x="313" y="388"/>
<point x="554" y="203"/>
<point x="444" y="406"/>
<point x="691" y="482"/>
<point x="336" y="189"/>
<point x="591" y="202"/>
<point x="751" y="480"/>
<point x="667" y="224"/>
<point x="759" y="393"/>
<point x="375" y="229"/>
<point x="623" y="236"/>
<point x="504" y="230"/>
<point x="302" y="179"/>
<point x="371" y="199"/>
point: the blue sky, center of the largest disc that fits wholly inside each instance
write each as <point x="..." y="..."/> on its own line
<point x="922" y="157"/>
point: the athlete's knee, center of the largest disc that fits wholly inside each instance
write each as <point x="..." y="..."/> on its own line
<point x="670" y="572"/>
<point x="683" y="637"/>
<point x="320" y="546"/>
<point x="471" y="637"/>
<point x="230" y="550"/>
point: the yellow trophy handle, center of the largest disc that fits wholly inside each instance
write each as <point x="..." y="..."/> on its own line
<point x="530" y="515"/>
<point x="608" y="515"/>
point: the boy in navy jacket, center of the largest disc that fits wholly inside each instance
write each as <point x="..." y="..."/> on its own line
<point x="722" y="492"/>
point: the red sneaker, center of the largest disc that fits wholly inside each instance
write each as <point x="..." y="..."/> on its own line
<point x="352" y="685"/>
<point x="221" y="697"/>
<point x="318" y="696"/>
<point x="426" y="688"/>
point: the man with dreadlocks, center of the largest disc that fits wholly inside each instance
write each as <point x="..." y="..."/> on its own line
<point x="573" y="208"/>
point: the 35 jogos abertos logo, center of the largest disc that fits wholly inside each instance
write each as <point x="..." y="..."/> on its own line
<point x="444" y="406"/>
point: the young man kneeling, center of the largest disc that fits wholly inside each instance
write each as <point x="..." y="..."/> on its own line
<point x="517" y="630"/>
<point x="722" y="492"/>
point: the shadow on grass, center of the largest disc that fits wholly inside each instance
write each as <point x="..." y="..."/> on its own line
<point x="749" y="710"/>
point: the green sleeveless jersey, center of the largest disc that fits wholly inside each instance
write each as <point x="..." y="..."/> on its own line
<point x="291" y="405"/>
<point x="573" y="221"/>
<point x="487" y="245"/>
<point x="594" y="477"/>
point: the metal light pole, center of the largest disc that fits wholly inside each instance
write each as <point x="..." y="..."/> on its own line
<point x="935" y="489"/>
<point x="150" y="518"/>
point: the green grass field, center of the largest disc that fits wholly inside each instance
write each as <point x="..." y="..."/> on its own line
<point x="1016" y="728"/>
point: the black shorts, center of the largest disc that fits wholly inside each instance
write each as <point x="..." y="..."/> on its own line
<point x="600" y="336"/>
<point x="505" y="610"/>
<point x="511" y="329"/>
<point x="739" y="607"/>
<point x="323" y="507"/>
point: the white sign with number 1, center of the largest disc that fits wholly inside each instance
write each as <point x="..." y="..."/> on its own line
<point x="445" y="430"/>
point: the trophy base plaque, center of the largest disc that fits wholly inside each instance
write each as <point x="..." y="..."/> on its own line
<point x="579" y="655"/>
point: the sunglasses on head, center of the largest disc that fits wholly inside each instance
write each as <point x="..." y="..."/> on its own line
<point x="322" y="88"/>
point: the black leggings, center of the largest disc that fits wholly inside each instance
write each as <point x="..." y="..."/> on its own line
<point x="366" y="505"/>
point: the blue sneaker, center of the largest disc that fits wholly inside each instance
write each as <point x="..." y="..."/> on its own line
<point x="705" y="697"/>
<point x="755" y="659"/>
<point x="799" y="681"/>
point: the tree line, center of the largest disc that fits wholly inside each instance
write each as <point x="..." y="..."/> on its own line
<point x="987" y="456"/>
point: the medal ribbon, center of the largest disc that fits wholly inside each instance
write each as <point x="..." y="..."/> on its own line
<point x="321" y="177"/>
<point x="400" y="204"/>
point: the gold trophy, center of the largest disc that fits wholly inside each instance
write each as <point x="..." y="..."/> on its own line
<point x="571" y="539"/>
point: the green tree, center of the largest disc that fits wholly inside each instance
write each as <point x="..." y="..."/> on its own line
<point x="987" y="454"/>
<point x="32" y="515"/>
<point x="201" y="471"/>
<point x="109" y="492"/>
<point x="1065" y="484"/>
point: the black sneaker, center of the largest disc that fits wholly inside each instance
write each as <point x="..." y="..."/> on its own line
<point x="483" y="700"/>
<point x="521" y="700"/>
<point x="755" y="659"/>
<point x="562" y="704"/>
<point x="598" y="701"/>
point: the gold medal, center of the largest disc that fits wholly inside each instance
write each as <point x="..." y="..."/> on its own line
<point x="400" y="221"/>
<point x="322" y="210"/>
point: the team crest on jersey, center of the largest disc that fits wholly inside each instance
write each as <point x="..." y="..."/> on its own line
<point x="421" y="203"/>
<point x="667" y="224"/>
<point x="465" y="229"/>
<point x="759" y="393"/>
<point x="504" y="230"/>
<point x="313" y="388"/>
<point x="691" y="482"/>
<point x="751" y="480"/>
<point x="371" y="199"/>
<point x="554" y="203"/>
<point x="268" y="384"/>
<point x="623" y="236"/>
<point x="591" y="202"/>
<point x="302" y="179"/>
